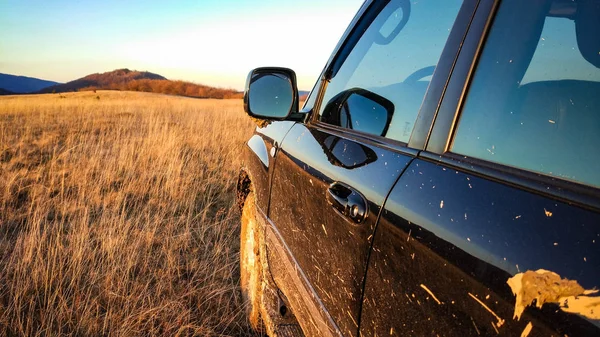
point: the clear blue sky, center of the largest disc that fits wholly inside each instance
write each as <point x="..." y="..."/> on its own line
<point x="215" y="42"/>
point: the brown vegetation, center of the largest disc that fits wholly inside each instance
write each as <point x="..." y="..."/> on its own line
<point x="128" y="80"/>
<point x="168" y="87"/>
<point x="117" y="215"/>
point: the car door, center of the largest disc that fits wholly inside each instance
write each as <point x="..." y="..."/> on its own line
<point x="334" y="172"/>
<point x="495" y="228"/>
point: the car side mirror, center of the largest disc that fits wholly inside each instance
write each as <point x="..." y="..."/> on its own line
<point x="271" y="93"/>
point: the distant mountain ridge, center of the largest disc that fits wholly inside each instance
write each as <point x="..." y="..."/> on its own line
<point x="6" y="92"/>
<point x="14" y="84"/>
<point x="107" y="80"/>
<point x="132" y="80"/>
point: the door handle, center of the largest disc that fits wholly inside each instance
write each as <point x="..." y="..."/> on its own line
<point x="347" y="202"/>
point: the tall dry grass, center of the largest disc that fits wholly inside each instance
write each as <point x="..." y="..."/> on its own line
<point x="117" y="215"/>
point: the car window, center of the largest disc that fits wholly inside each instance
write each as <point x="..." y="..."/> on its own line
<point x="381" y="84"/>
<point x="534" y="102"/>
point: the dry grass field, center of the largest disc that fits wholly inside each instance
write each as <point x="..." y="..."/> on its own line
<point x="117" y="215"/>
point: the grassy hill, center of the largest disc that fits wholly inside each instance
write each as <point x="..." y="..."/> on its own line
<point x="118" y="215"/>
<point x="103" y="81"/>
<point x="131" y="80"/>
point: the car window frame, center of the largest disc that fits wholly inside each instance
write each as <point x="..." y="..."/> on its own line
<point x="433" y="95"/>
<point x="445" y="124"/>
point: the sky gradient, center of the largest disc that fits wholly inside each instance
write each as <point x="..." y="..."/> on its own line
<point x="207" y="41"/>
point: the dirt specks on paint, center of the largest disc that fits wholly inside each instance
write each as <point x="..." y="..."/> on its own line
<point x="500" y="321"/>
<point x="527" y="330"/>
<point x="431" y="293"/>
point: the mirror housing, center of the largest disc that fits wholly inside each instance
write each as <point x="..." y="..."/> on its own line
<point x="271" y="93"/>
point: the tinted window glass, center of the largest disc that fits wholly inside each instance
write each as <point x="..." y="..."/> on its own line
<point x="392" y="61"/>
<point x="534" y="102"/>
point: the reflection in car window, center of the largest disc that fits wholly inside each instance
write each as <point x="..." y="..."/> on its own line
<point x="393" y="60"/>
<point x="557" y="55"/>
<point x="361" y="110"/>
<point x="534" y="102"/>
<point x="347" y="154"/>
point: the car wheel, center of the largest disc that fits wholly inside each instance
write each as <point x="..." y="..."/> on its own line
<point x="250" y="263"/>
<point x="265" y="307"/>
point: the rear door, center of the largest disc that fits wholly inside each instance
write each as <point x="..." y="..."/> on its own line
<point x="495" y="228"/>
<point x="334" y="172"/>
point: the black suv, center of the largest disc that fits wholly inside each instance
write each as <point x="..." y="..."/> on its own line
<point x="442" y="178"/>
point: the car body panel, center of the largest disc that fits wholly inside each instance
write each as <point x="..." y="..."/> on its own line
<point x="259" y="148"/>
<point x="291" y="281"/>
<point x="259" y="161"/>
<point x="449" y="240"/>
<point x="330" y="250"/>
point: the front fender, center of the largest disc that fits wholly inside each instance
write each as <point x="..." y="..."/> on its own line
<point x="259" y="156"/>
<point x="259" y="149"/>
